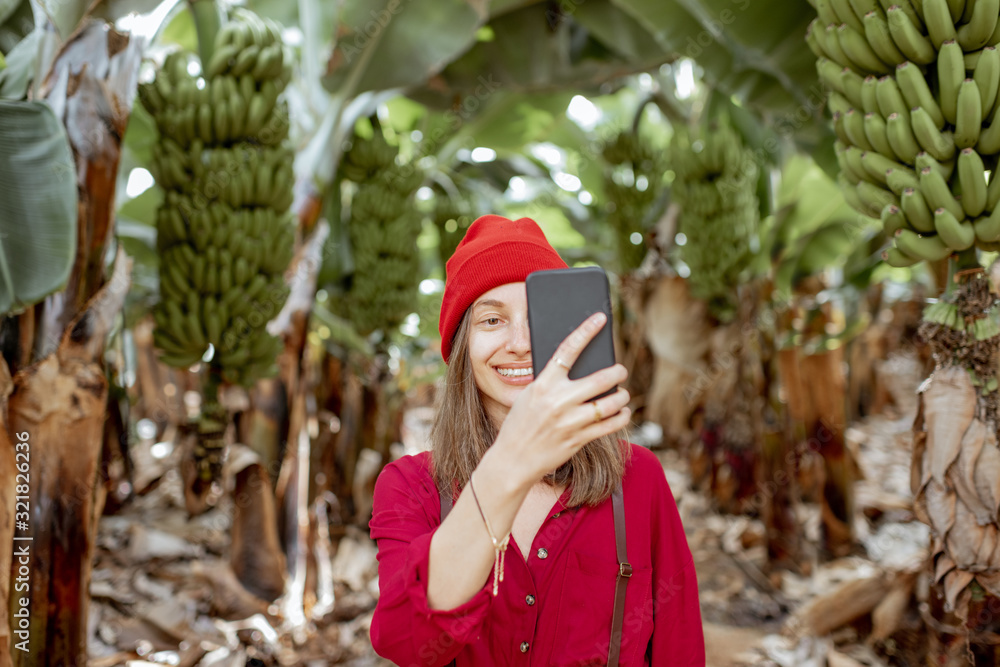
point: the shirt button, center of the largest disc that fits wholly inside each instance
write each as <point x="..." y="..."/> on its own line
<point x="530" y="599"/>
<point x="556" y="515"/>
<point x="543" y="553"/>
<point x="524" y="647"/>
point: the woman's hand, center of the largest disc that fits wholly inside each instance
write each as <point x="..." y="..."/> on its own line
<point x="553" y="417"/>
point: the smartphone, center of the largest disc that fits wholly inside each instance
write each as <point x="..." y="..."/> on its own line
<point x="559" y="300"/>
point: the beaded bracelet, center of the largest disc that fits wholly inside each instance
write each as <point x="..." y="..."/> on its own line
<point x="500" y="548"/>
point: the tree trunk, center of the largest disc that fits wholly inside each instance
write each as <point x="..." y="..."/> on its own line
<point x="825" y="433"/>
<point x="65" y="393"/>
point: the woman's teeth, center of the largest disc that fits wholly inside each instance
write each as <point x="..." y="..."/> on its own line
<point x="514" y="372"/>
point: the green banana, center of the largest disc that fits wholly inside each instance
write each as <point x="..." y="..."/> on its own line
<point x="939" y="22"/>
<point x="951" y="74"/>
<point x="875" y="131"/>
<point x="846" y="170"/>
<point x="956" y="234"/>
<point x="936" y="192"/>
<point x="876" y="31"/>
<point x="220" y="60"/>
<point x="850" y="84"/>
<point x="911" y="42"/>
<point x="854" y="162"/>
<point x="940" y="145"/>
<point x="928" y="247"/>
<point x="895" y="257"/>
<point x="975" y="32"/>
<point x="913" y="86"/>
<point x="987" y="77"/>
<point x="989" y="137"/>
<point x="854" y="126"/>
<point x="972" y="179"/>
<point x="877" y="165"/>
<point x="945" y="168"/>
<point x="890" y="99"/>
<point x="993" y="192"/>
<point x="969" y="115"/>
<point x="916" y="210"/>
<point x="892" y="219"/>
<point x="869" y="99"/>
<point x="875" y="198"/>
<point x="858" y="51"/>
<point x="988" y="227"/>
<point x="846" y="14"/>
<point x="862" y="7"/>
<point x="901" y="138"/>
<point x="899" y="180"/>
<point x="838" y="128"/>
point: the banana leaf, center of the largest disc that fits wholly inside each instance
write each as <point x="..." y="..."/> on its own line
<point x="537" y="50"/>
<point x="754" y="49"/>
<point x="38" y="204"/>
<point x="16" y="77"/>
<point x="16" y="21"/>
<point x="388" y="44"/>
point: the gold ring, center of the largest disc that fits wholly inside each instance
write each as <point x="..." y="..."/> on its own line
<point x="597" y="413"/>
<point x="562" y="363"/>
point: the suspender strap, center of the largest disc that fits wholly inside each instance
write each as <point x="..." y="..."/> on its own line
<point x="446" y="504"/>
<point x="624" y="569"/>
<point x="624" y="573"/>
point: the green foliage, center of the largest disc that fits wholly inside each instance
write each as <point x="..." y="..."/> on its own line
<point x="38" y="205"/>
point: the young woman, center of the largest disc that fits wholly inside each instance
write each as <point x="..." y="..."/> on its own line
<point x="525" y="568"/>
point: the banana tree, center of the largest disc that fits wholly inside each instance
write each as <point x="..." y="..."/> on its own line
<point x="926" y="80"/>
<point x="59" y="155"/>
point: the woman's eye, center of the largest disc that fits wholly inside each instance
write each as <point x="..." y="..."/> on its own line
<point x="492" y="321"/>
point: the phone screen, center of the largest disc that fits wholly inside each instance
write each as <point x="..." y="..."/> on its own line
<point x="559" y="300"/>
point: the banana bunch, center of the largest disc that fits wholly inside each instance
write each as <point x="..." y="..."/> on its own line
<point x="383" y="229"/>
<point x="452" y="217"/>
<point x="913" y="90"/>
<point x="224" y="233"/>
<point x="240" y="175"/>
<point x="632" y="182"/>
<point x="715" y="184"/>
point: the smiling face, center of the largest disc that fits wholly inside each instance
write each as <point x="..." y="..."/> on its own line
<point x="500" y="347"/>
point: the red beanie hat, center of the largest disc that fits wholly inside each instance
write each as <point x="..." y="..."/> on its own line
<point x="494" y="252"/>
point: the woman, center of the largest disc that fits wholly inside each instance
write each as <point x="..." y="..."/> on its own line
<point x="540" y="463"/>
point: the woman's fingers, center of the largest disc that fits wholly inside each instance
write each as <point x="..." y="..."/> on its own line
<point x="573" y="345"/>
<point x="603" y="408"/>
<point x="596" y="383"/>
<point x="607" y="425"/>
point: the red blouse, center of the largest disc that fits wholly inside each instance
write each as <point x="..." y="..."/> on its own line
<point x="553" y="609"/>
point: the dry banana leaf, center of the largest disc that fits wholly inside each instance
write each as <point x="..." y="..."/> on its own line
<point x="987" y="473"/>
<point x="943" y="566"/>
<point x="949" y="405"/>
<point x="852" y="599"/>
<point x="939" y="502"/>
<point x="964" y="538"/>
<point x="888" y="615"/>
<point x="991" y="582"/>
<point x="963" y="474"/>
<point x="954" y="583"/>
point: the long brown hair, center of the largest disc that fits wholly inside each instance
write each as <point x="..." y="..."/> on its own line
<point x="462" y="432"/>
